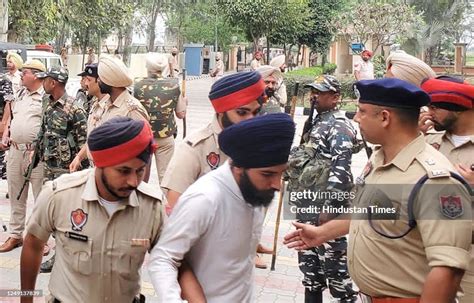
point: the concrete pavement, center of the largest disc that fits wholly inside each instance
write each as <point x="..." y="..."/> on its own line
<point x="281" y="285"/>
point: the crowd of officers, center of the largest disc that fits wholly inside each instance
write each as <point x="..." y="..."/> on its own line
<point x="45" y="131"/>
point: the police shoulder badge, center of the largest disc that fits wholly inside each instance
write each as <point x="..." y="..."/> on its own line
<point x="78" y="219"/>
<point x="436" y="146"/>
<point x="213" y="160"/>
<point x="451" y="206"/>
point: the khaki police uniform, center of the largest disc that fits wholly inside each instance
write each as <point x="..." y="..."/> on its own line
<point x="462" y="154"/>
<point x="97" y="110"/>
<point x="383" y="267"/>
<point x="195" y="156"/>
<point x="24" y="127"/>
<point x="98" y="258"/>
<point x="173" y="61"/>
<point x="125" y="106"/>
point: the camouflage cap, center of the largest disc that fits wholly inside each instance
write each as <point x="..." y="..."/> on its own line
<point x="326" y="83"/>
<point x="57" y="73"/>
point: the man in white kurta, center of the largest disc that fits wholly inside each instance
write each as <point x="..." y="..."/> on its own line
<point x="224" y="209"/>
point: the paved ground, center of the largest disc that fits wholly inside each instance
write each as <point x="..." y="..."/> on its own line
<point x="281" y="285"/>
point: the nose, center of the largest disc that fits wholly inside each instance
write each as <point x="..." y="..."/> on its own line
<point x="133" y="180"/>
<point x="356" y="117"/>
<point x="276" y="182"/>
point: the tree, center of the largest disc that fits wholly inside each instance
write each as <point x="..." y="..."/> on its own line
<point x="320" y="35"/>
<point x="201" y="23"/>
<point x="443" y="24"/>
<point x="381" y="21"/>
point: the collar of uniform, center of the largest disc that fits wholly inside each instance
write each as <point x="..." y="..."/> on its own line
<point x="445" y="137"/>
<point x="326" y="114"/>
<point x="61" y="100"/>
<point x="39" y="91"/>
<point x="216" y="127"/>
<point x="90" y="192"/>
<point x="121" y="98"/>
<point x="404" y="157"/>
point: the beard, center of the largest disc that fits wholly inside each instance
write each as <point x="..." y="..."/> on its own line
<point x="269" y="92"/>
<point x="447" y="124"/>
<point x="114" y="192"/>
<point x="104" y="88"/>
<point x="252" y="195"/>
<point x="226" y="121"/>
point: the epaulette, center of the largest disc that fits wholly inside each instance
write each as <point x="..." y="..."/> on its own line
<point x="198" y="136"/>
<point x="151" y="191"/>
<point x="433" y="168"/>
<point x="66" y="181"/>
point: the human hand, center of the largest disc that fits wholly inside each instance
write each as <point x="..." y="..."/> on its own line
<point x="75" y="164"/>
<point x="466" y="172"/>
<point x="425" y="122"/>
<point x="304" y="237"/>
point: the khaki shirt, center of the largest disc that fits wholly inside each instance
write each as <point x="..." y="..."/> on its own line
<point x="125" y="106"/>
<point x="98" y="258"/>
<point x="97" y="110"/>
<point x="15" y="80"/>
<point x="195" y="156"/>
<point x="173" y="61"/>
<point x="27" y="112"/>
<point x="463" y="154"/>
<point x="383" y="267"/>
<point x="255" y="64"/>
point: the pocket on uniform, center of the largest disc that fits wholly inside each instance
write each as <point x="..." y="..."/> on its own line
<point x="130" y="261"/>
<point x="79" y="254"/>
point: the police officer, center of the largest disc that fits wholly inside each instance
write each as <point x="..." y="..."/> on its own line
<point x="280" y="63"/>
<point x="272" y="77"/>
<point x="331" y="140"/>
<point x="420" y="253"/>
<point x="173" y="63"/>
<point x="162" y="99"/>
<point x="24" y="128"/>
<point x="99" y="249"/>
<point x="63" y="130"/>
<point x="14" y="64"/>
<point x="114" y="78"/>
<point x="99" y="103"/>
<point x="451" y="114"/>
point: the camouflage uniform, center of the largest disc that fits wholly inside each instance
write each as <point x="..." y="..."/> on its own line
<point x="323" y="164"/>
<point x="63" y="132"/>
<point x="160" y="97"/>
<point x="6" y="95"/>
<point x="84" y="101"/>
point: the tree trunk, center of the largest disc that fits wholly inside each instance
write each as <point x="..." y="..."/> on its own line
<point x="324" y="58"/>
<point x="268" y="51"/>
<point x="120" y="41"/>
<point x="298" y="55"/>
<point x="152" y="26"/>
<point x="127" y="50"/>
<point x="3" y="20"/>
<point x="61" y="38"/>
<point x="84" y="47"/>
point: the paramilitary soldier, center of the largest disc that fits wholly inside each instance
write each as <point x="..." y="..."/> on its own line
<point x="105" y="220"/>
<point x="6" y="97"/>
<point x="162" y="99"/>
<point x="62" y="132"/>
<point x="420" y="254"/>
<point x="323" y="164"/>
<point x="63" y="129"/>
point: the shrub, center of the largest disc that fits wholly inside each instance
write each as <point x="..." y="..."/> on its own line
<point x="329" y="68"/>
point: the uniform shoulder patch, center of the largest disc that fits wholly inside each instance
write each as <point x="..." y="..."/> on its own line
<point x="151" y="191"/>
<point x="199" y="136"/>
<point x="433" y="168"/>
<point x="71" y="180"/>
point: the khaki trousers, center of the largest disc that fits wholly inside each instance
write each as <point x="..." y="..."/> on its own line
<point x="163" y="155"/>
<point x="17" y="165"/>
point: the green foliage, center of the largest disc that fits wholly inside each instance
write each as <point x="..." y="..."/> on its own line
<point x="379" y="66"/>
<point x="303" y="76"/>
<point x="320" y="33"/>
<point x="347" y="88"/>
<point x="380" y="21"/>
<point x="198" y="23"/>
<point x="329" y="68"/>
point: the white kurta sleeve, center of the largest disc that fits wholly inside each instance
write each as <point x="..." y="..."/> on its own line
<point x="187" y="223"/>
